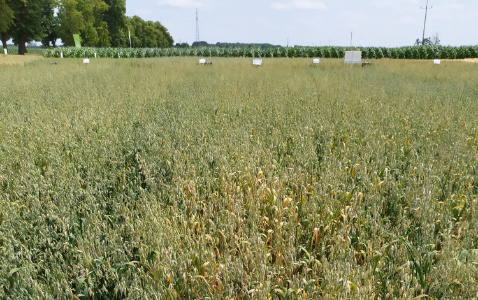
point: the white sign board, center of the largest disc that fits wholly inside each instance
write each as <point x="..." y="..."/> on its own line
<point x="86" y="61"/>
<point x="61" y="54"/>
<point x="353" y="57"/>
<point x="436" y="61"/>
<point x="316" y="60"/>
<point x="5" y="51"/>
<point x="202" y="61"/>
<point x="95" y="54"/>
<point x="257" y="62"/>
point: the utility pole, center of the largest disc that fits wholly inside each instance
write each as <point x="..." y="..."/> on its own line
<point x="351" y="35"/>
<point x="197" y="26"/>
<point x="426" y="8"/>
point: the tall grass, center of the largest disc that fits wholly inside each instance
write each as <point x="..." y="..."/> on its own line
<point x="160" y="178"/>
<point x="17" y="60"/>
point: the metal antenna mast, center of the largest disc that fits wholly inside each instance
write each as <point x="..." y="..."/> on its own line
<point x="197" y="26"/>
<point x="426" y="8"/>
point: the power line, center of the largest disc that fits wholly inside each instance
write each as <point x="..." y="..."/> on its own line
<point x="426" y="8"/>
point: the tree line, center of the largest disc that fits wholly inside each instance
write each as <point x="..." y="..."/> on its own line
<point x="100" y="23"/>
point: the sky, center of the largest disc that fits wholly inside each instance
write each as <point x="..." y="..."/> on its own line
<point x="388" y="23"/>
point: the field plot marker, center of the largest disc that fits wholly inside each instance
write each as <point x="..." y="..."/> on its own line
<point x="61" y="54"/>
<point x="353" y="57"/>
<point x="202" y="61"/>
<point x="257" y="62"/>
<point x="436" y="62"/>
<point x="5" y="51"/>
<point x="86" y="61"/>
<point x="316" y="61"/>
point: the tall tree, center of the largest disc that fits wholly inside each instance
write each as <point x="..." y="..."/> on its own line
<point x="93" y="12"/>
<point x="86" y="18"/>
<point x="49" y="24"/>
<point x="149" y="34"/>
<point x="71" y="21"/>
<point x="99" y="10"/>
<point x="6" y="16"/>
<point x="115" y="16"/>
<point x="103" y="23"/>
<point x="135" y="24"/>
<point x="6" y="20"/>
<point x="167" y="39"/>
<point x="151" y="37"/>
<point x="27" y="22"/>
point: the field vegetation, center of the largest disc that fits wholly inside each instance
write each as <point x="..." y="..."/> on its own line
<point x="416" y="52"/>
<point x="15" y="60"/>
<point x="163" y="179"/>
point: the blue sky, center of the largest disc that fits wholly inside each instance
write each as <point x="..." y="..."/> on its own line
<point x="388" y="23"/>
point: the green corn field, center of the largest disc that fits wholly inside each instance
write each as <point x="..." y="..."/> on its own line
<point x="418" y="52"/>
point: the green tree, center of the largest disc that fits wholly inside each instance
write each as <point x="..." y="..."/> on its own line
<point x="71" y="21"/>
<point x="49" y="24"/>
<point x="84" y="17"/>
<point x="181" y="45"/>
<point x="135" y="24"/>
<point x="153" y="38"/>
<point x="149" y="34"/>
<point x="95" y="28"/>
<point x="103" y="23"/>
<point x="6" y="19"/>
<point x="27" y="22"/>
<point x="166" y="39"/>
<point x="116" y="19"/>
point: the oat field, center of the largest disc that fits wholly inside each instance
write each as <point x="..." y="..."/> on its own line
<point x="159" y="178"/>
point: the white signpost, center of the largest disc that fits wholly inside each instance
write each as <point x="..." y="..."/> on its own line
<point x="5" y="51"/>
<point x="61" y="54"/>
<point x="353" y="57"/>
<point x="202" y="61"/>
<point x="257" y="62"/>
<point x="86" y="61"/>
<point x="436" y="61"/>
<point x="316" y="60"/>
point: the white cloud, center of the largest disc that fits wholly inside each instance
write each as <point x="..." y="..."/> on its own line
<point x="179" y="3"/>
<point x="299" y="4"/>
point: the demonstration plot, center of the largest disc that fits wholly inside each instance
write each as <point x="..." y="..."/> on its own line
<point x="156" y="178"/>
